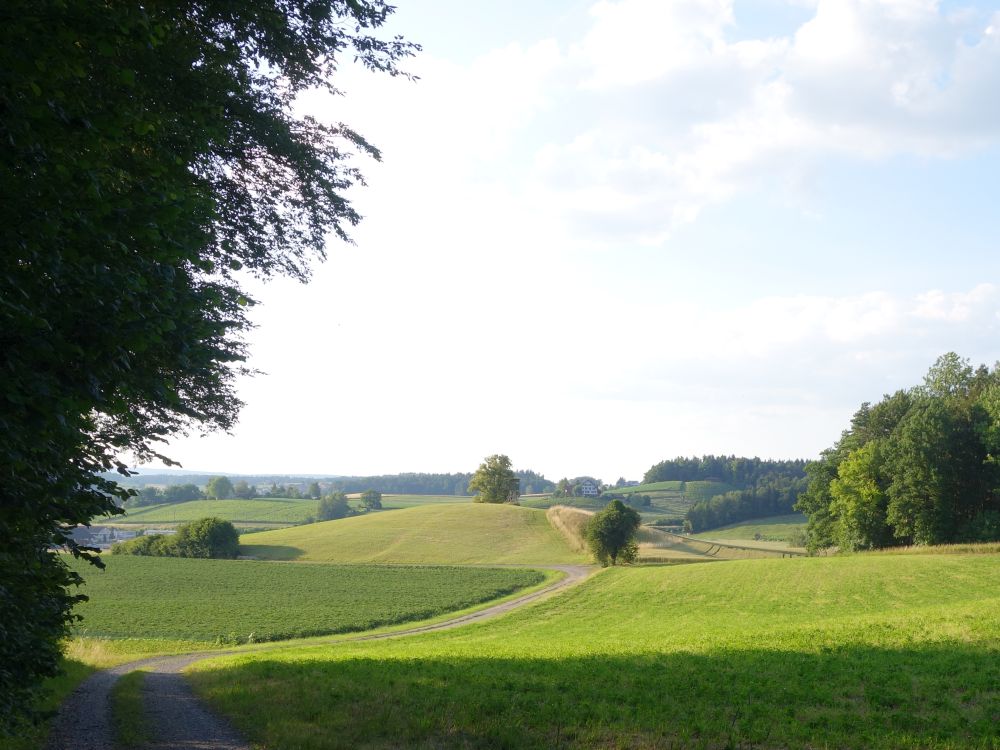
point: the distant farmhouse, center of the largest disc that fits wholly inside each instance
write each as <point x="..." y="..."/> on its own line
<point x="101" y="537"/>
<point x="589" y="488"/>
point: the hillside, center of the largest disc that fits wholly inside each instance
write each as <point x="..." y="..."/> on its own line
<point x="468" y="533"/>
<point x="881" y="651"/>
<point x="668" y="499"/>
<point x="788" y="530"/>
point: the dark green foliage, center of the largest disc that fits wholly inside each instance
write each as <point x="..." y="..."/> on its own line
<point x="495" y="481"/>
<point x="243" y="490"/>
<point x="206" y="537"/>
<point x="611" y="534"/>
<point x="735" y="470"/>
<point x="919" y="467"/>
<point x="773" y="495"/>
<point x="371" y="500"/>
<point x="150" y="152"/>
<point x="182" y="493"/>
<point x="220" y="488"/>
<point x="334" y="506"/>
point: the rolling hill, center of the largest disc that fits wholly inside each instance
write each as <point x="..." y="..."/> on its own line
<point x="467" y="533"/>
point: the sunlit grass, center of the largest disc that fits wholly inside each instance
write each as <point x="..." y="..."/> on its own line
<point x="448" y="534"/>
<point x="864" y="651"/>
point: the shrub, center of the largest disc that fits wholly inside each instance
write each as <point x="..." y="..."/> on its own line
<point x="206" y="537"/>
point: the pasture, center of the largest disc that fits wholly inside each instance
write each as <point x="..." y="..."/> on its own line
<point x="262" y="510"/>
<point x="396" y="502"/>
<point x="232" y="601"/>
<point x="868" y="651"/>
<point x="448" y="534"/>
<point x="784" y="531"/>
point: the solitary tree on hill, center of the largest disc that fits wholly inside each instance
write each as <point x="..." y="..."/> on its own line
<point x="371" y="500"/>
<point x="611" y="534"/>
<point x="219" y="488"/>
<point x="495" y="481"/>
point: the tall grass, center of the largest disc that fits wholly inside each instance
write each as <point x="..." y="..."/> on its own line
<point x="571" y="523"/>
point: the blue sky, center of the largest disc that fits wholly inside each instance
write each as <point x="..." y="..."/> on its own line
<point x="607" y="233"/>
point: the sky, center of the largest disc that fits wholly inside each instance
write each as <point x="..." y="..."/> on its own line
<point x="603" y="234"/>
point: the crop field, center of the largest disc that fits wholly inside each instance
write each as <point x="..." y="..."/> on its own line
<point x="785" y="530"/>
<point x="228" y="600"/>
<point x="877" y="651"/>
<point x="467" y="533"/>
<point x="263" y="510"/>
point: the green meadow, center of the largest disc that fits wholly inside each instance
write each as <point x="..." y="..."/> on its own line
<point x="236" y="601"/>
<point x="395" y="502"/>
<point x="262" y="510"/>
<point x="446" y="534"/>
<point x="867" y="651"/>
<point x="788" y="530"/>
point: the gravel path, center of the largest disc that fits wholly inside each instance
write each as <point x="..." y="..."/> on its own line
<point x="179" y="721"/>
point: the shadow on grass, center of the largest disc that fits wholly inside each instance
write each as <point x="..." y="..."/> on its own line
<point x="848" y="697"/>
<point x="271" y="551"/>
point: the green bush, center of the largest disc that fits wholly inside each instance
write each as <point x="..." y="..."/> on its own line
<point x="206" y="537"/>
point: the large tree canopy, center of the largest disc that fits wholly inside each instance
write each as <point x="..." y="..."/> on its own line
<point x="150" y="160"/>
<point x="495" y="481"/>
<point x="921" y="466"/>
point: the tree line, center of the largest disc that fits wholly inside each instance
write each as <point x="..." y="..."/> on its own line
<point x="738" y="471"/>
<point x="773" y="495"/>
<point x="922" y="466"/>
<point x="433" y="484"/>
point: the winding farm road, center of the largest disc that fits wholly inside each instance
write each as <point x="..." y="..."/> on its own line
<point x="179" y="721"/>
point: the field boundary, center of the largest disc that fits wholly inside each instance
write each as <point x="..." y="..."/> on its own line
<point x="84" y="721"/>
<point x="714" y="549"/>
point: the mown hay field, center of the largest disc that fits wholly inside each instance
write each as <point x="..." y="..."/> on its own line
<point x="447" y="534"/>
<point x="868" y="651"/>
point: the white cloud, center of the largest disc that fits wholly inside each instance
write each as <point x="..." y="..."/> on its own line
<point x="864" y="79"/>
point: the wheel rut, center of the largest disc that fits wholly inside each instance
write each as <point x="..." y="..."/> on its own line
<point x="179" y="721"/>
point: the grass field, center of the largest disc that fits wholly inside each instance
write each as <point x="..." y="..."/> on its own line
<point x="470" y="533"/>
<point x="274" y="512"/>
<point x="394" y="502"/>
<point x="786" y="530"/>
<point x="230" y="601"/>
<point x="263" y="510"/>
<point x="880" y="651"/>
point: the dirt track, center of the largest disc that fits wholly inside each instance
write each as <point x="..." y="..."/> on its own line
<point x="179" y="721"/>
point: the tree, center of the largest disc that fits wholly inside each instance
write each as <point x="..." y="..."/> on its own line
<point x="611" y="534"/>
<point x="150" y="154"/>
<point x="180" y="493"/>
<point x="244" y="491"/>
<point x="334" y="506"/>
<point x="495" y="481"/>
<point x="371" y="500"/>
<point x="314" y="491"/>
<point x="219" y="488"/>
<point x="206" y="537"/>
